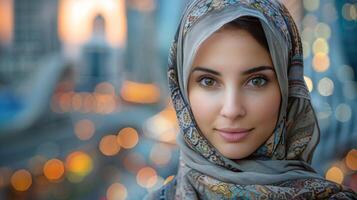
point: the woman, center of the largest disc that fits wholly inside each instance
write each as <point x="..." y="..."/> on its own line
<point x="248" y="130"/>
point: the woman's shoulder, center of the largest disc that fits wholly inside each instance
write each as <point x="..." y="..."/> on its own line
<point x="167" y="191"/>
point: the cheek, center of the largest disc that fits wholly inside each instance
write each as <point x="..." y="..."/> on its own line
<point x="266" y="108"/>
<point x="204" y="107"/>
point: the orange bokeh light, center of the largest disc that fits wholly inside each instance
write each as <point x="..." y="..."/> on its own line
<point x="128" y="138"/>
<point x="21" y="180"/>
<point x="89" y="103"/>
<point x="351" y="159"/>
<point x="147" y="177"/>
<point x="53" y="169"/>
<point x="105" y="88"/>
<point x="79" y="163"/>
<point x="76" y="19"/>
<point x="140" y="92"/>
<point x="65" y="101"/>
<point x="334" y="174"/>
<point x="84" y="129"/>
<point x="105" y="103"/>
<point x="6" y="20"/>
<point x="117" y="191"/>
<point x="169" y="179"/>
<point x="76" y="101"/>
<point x="108" y="145"/>
<point x="321" y="62"/>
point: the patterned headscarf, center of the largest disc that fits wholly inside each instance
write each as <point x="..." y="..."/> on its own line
<point x="278" y="169"/>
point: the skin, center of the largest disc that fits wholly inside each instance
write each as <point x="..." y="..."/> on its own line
<point x="233" y="85"/>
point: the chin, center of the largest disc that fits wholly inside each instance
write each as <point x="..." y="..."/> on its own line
<point x="233" y="154"/>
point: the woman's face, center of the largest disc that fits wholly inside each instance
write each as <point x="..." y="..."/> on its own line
<point x="234" y="92"/>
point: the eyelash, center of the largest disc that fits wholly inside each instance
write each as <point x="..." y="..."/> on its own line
<point x="261" y="77"/>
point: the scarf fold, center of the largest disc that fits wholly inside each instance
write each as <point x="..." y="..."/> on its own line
<point x="280" y="168"/>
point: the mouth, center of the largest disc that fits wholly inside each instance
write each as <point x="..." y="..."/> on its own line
<point x="233" y="134"/>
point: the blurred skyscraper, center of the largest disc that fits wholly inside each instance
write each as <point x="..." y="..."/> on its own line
<point x="34" y="36"/>
<point x="99" y="61"/>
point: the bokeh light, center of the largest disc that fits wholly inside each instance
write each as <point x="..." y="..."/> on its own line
<point x="133" y="162"/>
<point x="320" y="46"/>
<point x="146" y="177"/>
<point x="160" y="154"/>
<point x="142" y="5"/>
<point x="325" y="110"/>
<point x="79" y="165"/>
<point x="128" y="138"/>
<point x="76" y="102"/>
<point x="323" y="30"/>
<point x="109" y="146"/>
<point x="351" y="159"/>
<point x="163" y="126"/>
<point x="169" y="179"/>
<point x="311" y="5"/>
<point x="349" y="11"/>
<point x="106" y="103"/>
<point x="343" y="112"/>
<point x="105" y="88"/>
<point x="334" y="174"/>
<point x="321" y="62"/>
<point x="117" y="191"/>
<point x="65" y="101"/>
<point x="325" y="87"/>
<point x="159" y="182"/>
<point x="140" y="92"/>
<point x="53" y="169"/>
<point x="309" y="84"/>
<point x="84" y="129"/>
<point x="6" y="21"/>
<point x="21" y="180"/>
<point x="89" y="103"/>
<point x="309" y="21"/>
<point x="307" y="35"/>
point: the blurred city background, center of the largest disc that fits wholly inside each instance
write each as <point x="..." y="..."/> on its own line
<point x="84" y="105"/>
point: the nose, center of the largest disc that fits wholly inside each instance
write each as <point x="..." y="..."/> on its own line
<point x="233" y="105"/>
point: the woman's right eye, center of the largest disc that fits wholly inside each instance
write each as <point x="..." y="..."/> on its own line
<point x="207" y="82"/>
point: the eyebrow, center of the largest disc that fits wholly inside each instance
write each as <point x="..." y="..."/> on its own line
<point x="249" y="71"/>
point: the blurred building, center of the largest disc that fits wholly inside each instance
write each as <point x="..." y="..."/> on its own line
<point x="34" y="36"/>
<point x="99" y="61"/>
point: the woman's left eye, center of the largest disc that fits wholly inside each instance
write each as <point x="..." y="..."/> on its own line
<point x="257" y="82"/>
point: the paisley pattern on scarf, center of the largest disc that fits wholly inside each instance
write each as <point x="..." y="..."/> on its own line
<point x="300" y="189"/>
<point x="294" y="138"/>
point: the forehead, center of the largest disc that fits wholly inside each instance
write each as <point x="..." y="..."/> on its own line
<point x="231" y="49"/>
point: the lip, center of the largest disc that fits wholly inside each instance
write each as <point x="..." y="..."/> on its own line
<point x="233" y="134"/>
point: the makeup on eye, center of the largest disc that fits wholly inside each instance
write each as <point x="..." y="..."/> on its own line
<point x="258" y="80"/>
<point x="206" y="81"/>
<point x="246" y="72"/>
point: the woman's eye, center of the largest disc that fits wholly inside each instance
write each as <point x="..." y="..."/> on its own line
<point x="257" y="82"/>
<point x="207" y="82"/>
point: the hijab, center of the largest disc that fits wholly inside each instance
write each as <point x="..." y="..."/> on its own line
<point x="278" y="169"/>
